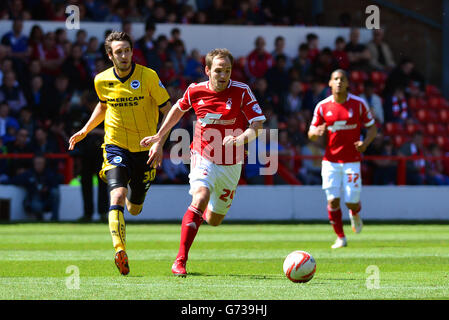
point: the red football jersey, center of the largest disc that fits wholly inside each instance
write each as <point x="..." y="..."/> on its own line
<point x="344" y="123"/>
<point x="220" y="114"/>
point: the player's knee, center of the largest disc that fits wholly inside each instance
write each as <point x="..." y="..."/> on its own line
<point x="352" y="206"/>
<point x="118" y="196"/>
<point x="201" y="198"/>
<point x="214" y="219"/>
<point x="334" y="203"/>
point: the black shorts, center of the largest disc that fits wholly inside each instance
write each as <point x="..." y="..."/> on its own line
<point x="122" y="168"/>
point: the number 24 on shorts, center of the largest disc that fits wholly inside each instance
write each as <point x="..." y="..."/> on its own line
<point x="227" y="194"/>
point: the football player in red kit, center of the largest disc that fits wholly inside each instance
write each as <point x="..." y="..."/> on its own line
<point x="342" y="115"/>
<point x="228" y="116"/>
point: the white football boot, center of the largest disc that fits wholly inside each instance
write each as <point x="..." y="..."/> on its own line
<point x="339" y="243"/>
<point x="356" y="223"/>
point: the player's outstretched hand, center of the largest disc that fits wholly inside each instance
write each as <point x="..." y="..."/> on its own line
<point x="155" y="156"/>
<point x="147" y="141"/>
<point x="360" y="146"/>
<point x="77" y="137"/>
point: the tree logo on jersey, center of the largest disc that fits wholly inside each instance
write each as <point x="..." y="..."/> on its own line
<point x="257" y="109"/>
<point x="135" y="84"/>
<point x="229" y="104"/>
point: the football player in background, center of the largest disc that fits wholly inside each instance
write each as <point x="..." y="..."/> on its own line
<point x="131" y="97"/>
<point x="342" y="115"/>
<point x="224" y="108"/>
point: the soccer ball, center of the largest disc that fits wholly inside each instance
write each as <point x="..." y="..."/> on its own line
<point x="299" y="266"/>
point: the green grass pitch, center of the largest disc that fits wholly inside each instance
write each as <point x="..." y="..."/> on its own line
<point x="232" y="261"/>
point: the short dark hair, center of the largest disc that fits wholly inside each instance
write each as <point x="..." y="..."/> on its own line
<point x="218" y="53"/>
<point x="116" y="36"/>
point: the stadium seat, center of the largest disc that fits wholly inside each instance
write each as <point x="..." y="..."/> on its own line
<point x="443" y="142"/>
<point x="436" y="102"/>
<point x="393" y="128"/>
<point x="399" y="140"/>
<point x="416" y="103"/>
<point x="426" y="116"/>
<point x="378" y="77"/>
<point x="357" y="76"/>
<point x="427" y="141"/>
<point x="444" y="115"/>
<point x="433" y="129"/>
<point x="432" y="91"/>
<point x="411" y="128"/>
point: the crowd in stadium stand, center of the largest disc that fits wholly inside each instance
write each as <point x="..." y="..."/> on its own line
<point x="46" y="86"/>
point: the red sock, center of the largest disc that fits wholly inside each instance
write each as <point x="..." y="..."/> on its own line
<point x="189" y="228"/>
<point x="336" y="221"/>
<point x="354" y="212"/>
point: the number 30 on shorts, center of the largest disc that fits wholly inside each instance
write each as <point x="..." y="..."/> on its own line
<point x="227" y="194"/>
<point x="149" y="176"/>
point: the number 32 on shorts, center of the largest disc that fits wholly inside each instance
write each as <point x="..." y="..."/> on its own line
<point x="353" y="177"/>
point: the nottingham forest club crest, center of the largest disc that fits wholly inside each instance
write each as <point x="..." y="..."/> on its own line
<point x="229" y="104"/>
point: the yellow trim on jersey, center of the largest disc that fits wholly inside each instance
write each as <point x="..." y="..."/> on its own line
<point x="132" y="104"/>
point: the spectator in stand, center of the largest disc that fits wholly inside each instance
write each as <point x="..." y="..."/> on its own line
<point x="17" y="41"/>
<point x="4" y="178"/>
<point x="340" y="55"/>
<point x="81" y="39"/>
<point x="37" y="96"/>
<point x="381" y="54"/>
<point x="42" y="143"/>
<point x="263" y="95"/>
<point x="178" y="57"/>
<point x="194" y="70"/>
<point x="435" y="168"/>
<point x="293" y="100"/>
<point x="324" y="64"/>
<point x="278" y="77"/>
<point x="61" y="41"/>
<point x="91" y="55"/>
<point x="383" y="171"/>
<point x="279" y="49"/>
<point x="19" y="145"/>
<point x="355" y="49"/>
<point x="173" y="173"/>
<point x="26" y="119"/>
<point x="12" y="93"/>
<point x="374" y="102"/>
<point x="42" y="189"/>
<point x="35" y="38"/>
<point x="61" y="98"/>
<point x="49" y="55"/>
<point x="314" y="94"/>
<point x="147" y="43"/>
<point x="258" y="61"/>
<point x="404" y="75"/>
<point x="312" y="43"/>
<point x="396" y="107"/>
<point x="6" y="121"/>
<point x="219" y="12"/>
<point x="303" y="64"/>
<point x="310" y="171"/>
<point x="77" y="70"/>
<point x="161" y="51"/>
<point x="415" y="169"/>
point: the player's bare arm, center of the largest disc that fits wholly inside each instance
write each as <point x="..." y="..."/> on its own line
<point x="95" y="119"/>
<point x="315" y="132"/>
<point x="156" y="153"/>
<point x="247" y="136"/>
<point x="370" y="135"/>
<point x="172" y="118"/>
